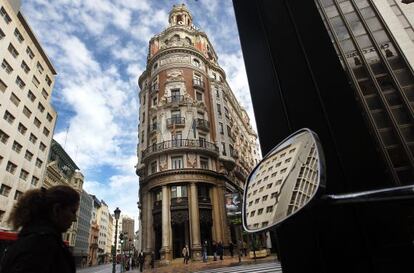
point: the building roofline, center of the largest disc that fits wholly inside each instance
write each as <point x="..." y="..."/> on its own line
<point x="36" y="42"/>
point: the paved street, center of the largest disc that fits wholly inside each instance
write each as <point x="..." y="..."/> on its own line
<point x="228" y="265"/>
<point x="255" y="268"/>
<point x="106" y="268"/>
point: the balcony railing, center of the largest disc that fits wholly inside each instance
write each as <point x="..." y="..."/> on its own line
<point x="178" y="121"/>
<point x="198" y="83"/>
<point x="203" y="124"/>
<point x="180" y="143"/>
<point x="175" y="98"/>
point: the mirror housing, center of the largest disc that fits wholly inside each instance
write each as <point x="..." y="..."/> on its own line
<point x="286" y="180"/>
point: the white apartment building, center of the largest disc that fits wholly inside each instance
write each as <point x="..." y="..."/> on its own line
<point x="103" y="222"/>
<point x="27" y="119"/>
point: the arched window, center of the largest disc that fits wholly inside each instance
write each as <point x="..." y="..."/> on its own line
<point x="188" y="40"/>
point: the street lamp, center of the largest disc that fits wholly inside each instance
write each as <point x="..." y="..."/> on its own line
<point x="117" y="213"/>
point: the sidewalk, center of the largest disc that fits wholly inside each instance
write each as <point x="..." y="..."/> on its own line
<point x="177" y="265"/>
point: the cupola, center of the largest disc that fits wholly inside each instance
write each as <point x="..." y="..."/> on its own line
<point x="179" y="15"/>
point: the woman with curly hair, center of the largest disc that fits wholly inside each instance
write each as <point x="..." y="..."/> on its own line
<point x="41" y="216"/>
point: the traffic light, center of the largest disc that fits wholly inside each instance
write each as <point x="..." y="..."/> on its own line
<point x="121" y="237"/>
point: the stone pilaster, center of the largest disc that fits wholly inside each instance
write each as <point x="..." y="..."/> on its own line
<point x="166" y="254"/>
<point x="195" y="223"/>
<point x="216" y="215"/>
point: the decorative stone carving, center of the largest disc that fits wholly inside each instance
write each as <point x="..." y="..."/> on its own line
<point x="175" y="59"/>
<point x="175" y="75"/>
<point x="163" y="162"/>
<point x="191" y="160"/>
<point x="179" y="217"/>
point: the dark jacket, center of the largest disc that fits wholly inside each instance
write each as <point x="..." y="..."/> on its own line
<point x="39" y="249"/>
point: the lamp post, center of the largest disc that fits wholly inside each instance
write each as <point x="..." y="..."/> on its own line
<point x="117" y="212"/>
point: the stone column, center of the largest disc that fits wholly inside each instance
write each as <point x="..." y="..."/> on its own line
<point x="216" y="215"/>
<point x="144" y="223"/>
<point x="165" y="249"/>
<point x="149" y="230"/>
<point x="195" y="222"/>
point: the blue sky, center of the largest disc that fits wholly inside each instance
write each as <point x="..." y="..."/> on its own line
<point x="99" y="49"/>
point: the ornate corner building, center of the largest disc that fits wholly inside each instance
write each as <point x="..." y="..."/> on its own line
<point x="195" y="142"/>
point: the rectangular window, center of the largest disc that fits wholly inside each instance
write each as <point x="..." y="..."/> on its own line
<point x="33" y="138"/>
<point x="45" y="94"/>
<point x="6" y="66"/>
<point x="217" y="92"/>
<point x="260" y="211"/>
<point x="22" y="129"/>
<point x="18" y="194"/>
<point x="153" y="167"/>
<point x="199" y="96"/>
<point x="39" y="68"/>
<point x="14" y="99"/>
<point x="5" y="190"/>
<point x="228" y="130"/>
<point x="35" y="81"/>
<point x="29" y="53"/>
<point x="18" y="35"/>
<point x="27" y="112"/>
<point x="221" y="128"/>
<point x="177" y="162"/>
<point x="219" y="109"/>
<point x="203" y="162"/>
<point x="28" y="155"/>
<point x="37" y="123"/>
<point x="13" y="51"/>
<point x="11" y="167"/>
<point x="2" y="212"/>
<point x="223" y="146"/>
<point x="38" y="163"/>
<point x="48" y="80"/>
<point x="269" y="209"/>
<point x="269" y="186"/>
<point x="4" y="137"/>
<point x="283" y="170"/>
<point x="40" y="107"/>
<point x="274" y="194"/>
<point x="42" y="146"/>
<point x="3" y="86"/>
<point x="31" y="96"/>
<point x="25" y="67"/>
<point x="34" y="181"/>
<point x="5" y="16"/>
<point x="17" y="147"/>
<point x="46" y="132"/>
<point x="8" y="117"/>
<point x="20" y="83"/>
<point x="49" y="117"/>
<point x="2" y="35"/>
<point x="178" y="191"/>
<point x="24" y="174"/>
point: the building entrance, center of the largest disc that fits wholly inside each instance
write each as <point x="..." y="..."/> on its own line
<point x="180" y="236"/>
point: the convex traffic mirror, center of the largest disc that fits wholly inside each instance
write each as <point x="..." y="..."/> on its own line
<point x="284" y="182"/>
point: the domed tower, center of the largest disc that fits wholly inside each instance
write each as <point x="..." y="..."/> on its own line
<point x="195" y="143"/>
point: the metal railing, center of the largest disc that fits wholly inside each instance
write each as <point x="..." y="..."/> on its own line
<point x="176" y="121"/>
<point x="175" y="98"/>
<point x="180" y="143"/>
<point x="198" y="83"/>
<point x="202" y="124"/>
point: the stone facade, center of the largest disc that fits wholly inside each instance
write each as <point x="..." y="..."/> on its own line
<point x="195" y="143"/>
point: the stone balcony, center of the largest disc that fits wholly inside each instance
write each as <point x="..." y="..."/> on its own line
<point x="181" y="144"/>
<point x="178" y="122"/>
<point x="197" y="83"/>
<point x="202" y="124"/>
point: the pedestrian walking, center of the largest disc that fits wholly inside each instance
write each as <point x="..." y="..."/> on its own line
<point x="231" y="248"/>
<point x="220" y="250"/>
<point x="205" y="245"/>
<point x="42" y="216"/>
<point x="214" y="247"/>
<point x="186" y="254"/>
<point x="245" y="248"/>
<point x="141" y="260"/>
